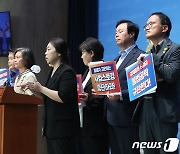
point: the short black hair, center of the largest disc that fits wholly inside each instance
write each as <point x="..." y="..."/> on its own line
<point x="165" y="20"/>
<point x="12" y="51"/>
<point x="61" y="47"/>
<point x="131" y="27"/>
<point x="28" y="57"/>
<point x="93" y="44"/>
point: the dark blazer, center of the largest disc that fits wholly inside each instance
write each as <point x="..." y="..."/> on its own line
<point x="166" y="100"/>
<point x="93" y="123"/>
<point x="119" y="113"/>
<point x="61" y="119"/>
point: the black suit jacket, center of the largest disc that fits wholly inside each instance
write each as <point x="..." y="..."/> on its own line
<point x="119" y="113"/>
<point x="166" y="100"/>
<point x="61" y="119"/>
<point x="93" y="121"/>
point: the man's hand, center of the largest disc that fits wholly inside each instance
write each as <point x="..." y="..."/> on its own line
<point x="140" y="59"/>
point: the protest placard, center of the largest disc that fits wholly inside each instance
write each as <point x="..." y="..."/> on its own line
<point x="104" y="78"/>
<point x="4" y="76"/>
<point x="141" y="79"/>
<point x="79" y="85"/>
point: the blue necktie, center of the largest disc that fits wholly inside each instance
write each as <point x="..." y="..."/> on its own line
<point x="123" y="55"/>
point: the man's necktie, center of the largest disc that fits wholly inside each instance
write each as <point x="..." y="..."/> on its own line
<point x="121" y="58"/>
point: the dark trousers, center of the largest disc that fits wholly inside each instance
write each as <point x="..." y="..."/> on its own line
<point x="153" y="130"/>
<point x="61" y="146"/>
<point x="90" y="144"/>
<point x="122" y="138"/>
<point x="96" y="145"/>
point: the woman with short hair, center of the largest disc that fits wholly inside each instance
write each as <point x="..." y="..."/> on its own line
<point x="24" y="60"/>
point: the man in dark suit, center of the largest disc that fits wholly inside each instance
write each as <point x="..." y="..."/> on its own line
<point x="119" y="109"/>
<point x="160" y="112"/>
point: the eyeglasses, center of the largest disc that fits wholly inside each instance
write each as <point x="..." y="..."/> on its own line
<point x="149" y="25"/>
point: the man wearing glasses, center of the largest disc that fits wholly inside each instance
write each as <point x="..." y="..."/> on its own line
<point x="160" y="112"/>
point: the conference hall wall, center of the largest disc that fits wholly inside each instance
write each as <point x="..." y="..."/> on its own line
<point x="34" y="23"/>
<point x="111" y="11"/>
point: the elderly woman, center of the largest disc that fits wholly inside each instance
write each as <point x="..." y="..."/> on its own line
<point x="24" y="60"/>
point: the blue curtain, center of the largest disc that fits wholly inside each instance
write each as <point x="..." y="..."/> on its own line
<point x="83" y="23"/>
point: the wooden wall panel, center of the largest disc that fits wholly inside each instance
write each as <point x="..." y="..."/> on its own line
<point x="33" y="23"/>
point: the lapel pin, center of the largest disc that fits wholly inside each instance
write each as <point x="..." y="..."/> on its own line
<point x="165" y="50"/>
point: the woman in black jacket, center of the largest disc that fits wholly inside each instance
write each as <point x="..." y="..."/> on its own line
<point x="93" y="128"/>
<point x="61" y="117"/>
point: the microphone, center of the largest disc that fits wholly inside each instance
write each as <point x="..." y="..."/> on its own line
<point x="35" y="69"/>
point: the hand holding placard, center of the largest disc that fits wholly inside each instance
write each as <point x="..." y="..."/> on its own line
<point x="104" y="78"/>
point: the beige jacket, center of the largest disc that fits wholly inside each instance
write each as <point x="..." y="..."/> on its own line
<point x="22" y="79"/>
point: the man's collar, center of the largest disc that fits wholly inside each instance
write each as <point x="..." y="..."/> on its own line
<point x="128" y="49"/>
<point x="162" y="41"/>
<point x="159" y="46"/>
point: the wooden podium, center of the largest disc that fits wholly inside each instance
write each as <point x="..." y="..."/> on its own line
<point x="18" y="122"/>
